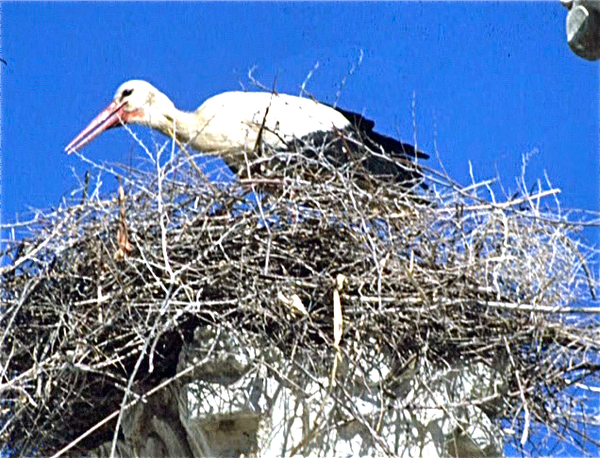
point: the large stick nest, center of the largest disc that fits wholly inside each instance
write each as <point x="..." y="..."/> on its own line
<point x="442" y="274"/>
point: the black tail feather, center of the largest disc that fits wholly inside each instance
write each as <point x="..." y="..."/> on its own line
<point x="377" y="155"/>
<point x="391" y="146"/>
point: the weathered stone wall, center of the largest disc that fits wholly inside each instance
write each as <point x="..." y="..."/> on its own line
<point x="245" y="400"/>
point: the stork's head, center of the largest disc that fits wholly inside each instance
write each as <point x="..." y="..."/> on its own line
<point x="135" y="101"/>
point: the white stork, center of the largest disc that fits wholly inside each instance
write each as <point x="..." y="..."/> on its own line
<point x="230" y="124"/>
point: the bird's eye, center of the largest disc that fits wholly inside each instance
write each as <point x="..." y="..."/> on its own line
<point x="126" y="93"/>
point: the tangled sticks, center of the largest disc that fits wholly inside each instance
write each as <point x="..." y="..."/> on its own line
<point x="444" y="280"/>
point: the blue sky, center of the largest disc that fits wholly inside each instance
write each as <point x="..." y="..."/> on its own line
<point x="491" y="82"/>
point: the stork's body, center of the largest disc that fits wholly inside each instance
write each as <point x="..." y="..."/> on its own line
<point x="230" y="124"/>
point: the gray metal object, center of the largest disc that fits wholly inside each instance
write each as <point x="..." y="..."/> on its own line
<point x="583" y="27"/>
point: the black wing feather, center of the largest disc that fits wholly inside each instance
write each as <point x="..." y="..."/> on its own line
<point x="390" y="145"/>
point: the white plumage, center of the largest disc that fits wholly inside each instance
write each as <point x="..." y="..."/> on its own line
<point x="228" y="124"/>
<point x="288" y="118"/>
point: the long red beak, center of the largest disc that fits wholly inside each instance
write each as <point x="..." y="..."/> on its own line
<point x="112" y="116"/>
